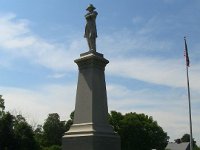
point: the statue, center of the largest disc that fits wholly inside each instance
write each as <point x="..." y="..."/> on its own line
<point x="90" y="28"/>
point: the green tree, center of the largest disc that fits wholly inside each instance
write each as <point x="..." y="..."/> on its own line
<point x="186" y="138"/>
<point x="38" y="134"/>
<point x="7" y="137"/>
<point x="53" y="130"/>
<point x="24" y="134"/>
<point x="138" y="131"/>
<point x="115" y="120"/>
<point x="15" y="132"/>
<point x="70" y="121"/>
<point x="196" y="148"/>
<point x="53" y="147"/>
<point x="2" y="106"/>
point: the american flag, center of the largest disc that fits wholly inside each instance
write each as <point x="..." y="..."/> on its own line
<point x="186" y="54"/>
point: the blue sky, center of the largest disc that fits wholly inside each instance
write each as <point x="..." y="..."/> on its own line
<point x="143" y="40"/>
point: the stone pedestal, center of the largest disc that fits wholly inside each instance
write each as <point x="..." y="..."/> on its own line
<point x="91" y="130"/>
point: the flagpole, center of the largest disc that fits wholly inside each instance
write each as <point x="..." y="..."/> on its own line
<point x="188" y="89"/>
<point x="190" y="116"/>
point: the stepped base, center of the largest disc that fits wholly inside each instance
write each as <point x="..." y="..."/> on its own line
<point x="90" y="137"/>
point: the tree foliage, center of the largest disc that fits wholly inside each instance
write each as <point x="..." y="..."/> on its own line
<point x="54" y="129"/>
<point x="15" y="132"/>
<point x="70" y="121"/>
<point x="2" y="106"/>
<point x="53" y="147"/>
<point x="138" y="131"/>
<point x="186" y="138"/>
<point x="7" y="137"/>
<point x="24" y="134"/>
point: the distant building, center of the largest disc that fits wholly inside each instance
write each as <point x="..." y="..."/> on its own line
<point x="178" y="146"/>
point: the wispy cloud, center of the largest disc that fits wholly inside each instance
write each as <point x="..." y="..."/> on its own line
<point x="57" y="75"/>
<point x="158" y="71"/>
<point x="17" y="39"/>
<point x="37" y="104"/>
<point x="125" y="41"/>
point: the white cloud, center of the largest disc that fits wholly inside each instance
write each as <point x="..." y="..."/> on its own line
<point x="57" y="75"/>
<point x="169" y="108"/>
<point x="17" y="39"/>
<point x="35" y="105"/>
<point x="152" y="70"/>
<point x="123" y="42"/>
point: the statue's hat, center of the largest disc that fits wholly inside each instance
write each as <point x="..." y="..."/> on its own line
<point x="91" y="7"/>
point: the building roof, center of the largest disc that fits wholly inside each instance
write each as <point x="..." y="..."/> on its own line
<point x="176" y="146"/>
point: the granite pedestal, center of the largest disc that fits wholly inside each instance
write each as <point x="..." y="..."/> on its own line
<point x="91" y="130"/>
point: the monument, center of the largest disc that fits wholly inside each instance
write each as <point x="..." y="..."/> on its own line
<point x="90" y="129"/>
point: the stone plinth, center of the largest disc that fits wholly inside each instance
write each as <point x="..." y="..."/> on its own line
<point x="91" y="130"/>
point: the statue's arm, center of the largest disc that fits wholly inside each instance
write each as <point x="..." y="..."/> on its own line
<point x="92" y="14"/>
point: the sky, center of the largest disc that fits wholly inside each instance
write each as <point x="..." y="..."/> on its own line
<point x="143" y="40"/>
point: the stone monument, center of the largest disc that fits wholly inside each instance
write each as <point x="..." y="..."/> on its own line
<point x="90" y="129"/>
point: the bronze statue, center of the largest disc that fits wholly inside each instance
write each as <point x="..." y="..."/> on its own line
<point x="90" y="28"/>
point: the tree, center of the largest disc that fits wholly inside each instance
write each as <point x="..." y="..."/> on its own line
<point x="70" y="121"/>
<point x="186" y="138"/>
<point x="7" y="137"/>
<point x="24" y="134"/>
<point x="2" y="106"/>
<point x="38" y="134"/>
<point x="196" y="148"/>
<point x="15" y="132"/>
<point x="54" y="129"/>
<point x="53" y="147"/>
<point x="138" y="131"/>
<point x="114" y="119"/>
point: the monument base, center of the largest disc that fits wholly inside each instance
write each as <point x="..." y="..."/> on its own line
<point x="91" y="137"/>
<point x="91" y="142"/>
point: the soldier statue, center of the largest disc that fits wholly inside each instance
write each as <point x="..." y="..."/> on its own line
<point x="90" y="28"/>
